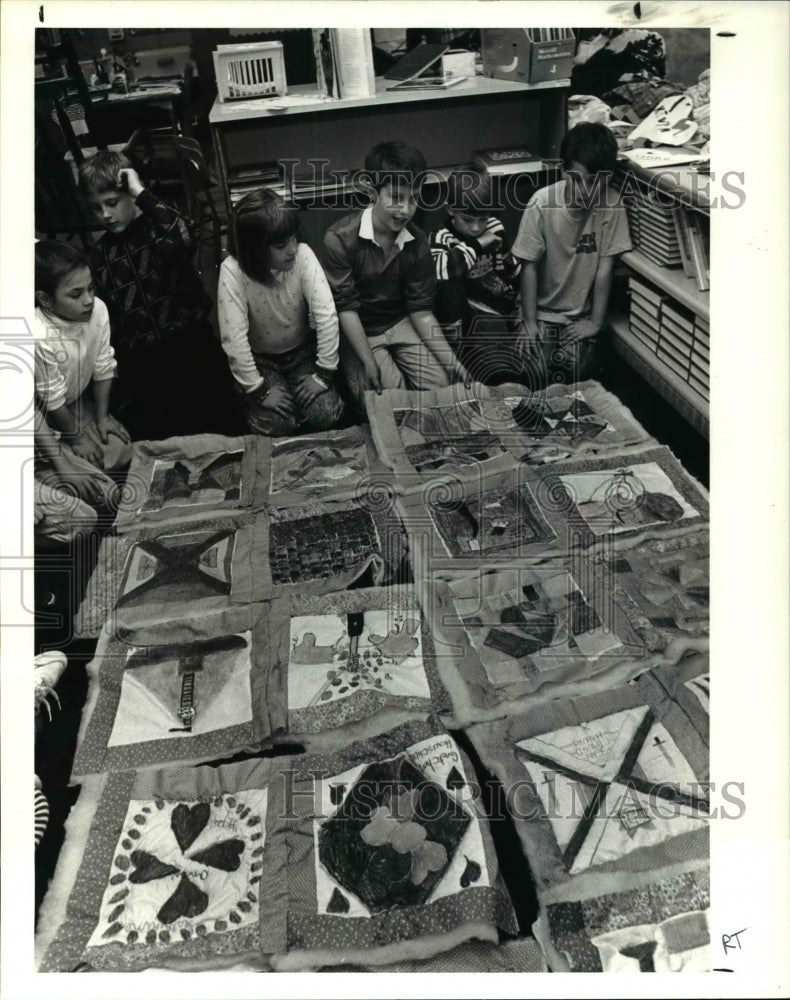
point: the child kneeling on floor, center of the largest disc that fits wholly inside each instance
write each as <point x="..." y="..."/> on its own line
<point x="278" y="322"/>
<point x="74" y="362"/>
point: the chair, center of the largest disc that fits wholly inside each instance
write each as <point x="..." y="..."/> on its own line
<point x="209" y="214"/>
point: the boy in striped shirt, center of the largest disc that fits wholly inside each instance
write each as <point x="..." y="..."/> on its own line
<point x="476" y="273"/>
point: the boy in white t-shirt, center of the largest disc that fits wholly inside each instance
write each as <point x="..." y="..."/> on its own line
<point x="570" y="235"/>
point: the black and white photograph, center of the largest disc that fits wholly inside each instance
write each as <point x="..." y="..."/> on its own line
<point x="394" y="457"/>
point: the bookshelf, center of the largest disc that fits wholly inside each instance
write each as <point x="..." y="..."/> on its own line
<point x="446" y="125"/>
<point x="664" y="332"/>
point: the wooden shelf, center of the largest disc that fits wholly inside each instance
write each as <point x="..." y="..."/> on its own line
<point x="690" y="187"/>
<point x="679" y="394"/>
<point x="307" y="100"/>
<point x="672" y="281"/>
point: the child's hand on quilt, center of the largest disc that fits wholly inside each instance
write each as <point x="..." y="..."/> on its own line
<point x="372" y="375"/>
<point x="105" y="429"/>
<point x="90" y="450"/>
<point x="580" y="330"/>
<point x="129" y="180"/>
<point x="308" y="387"/>
<point x="527" y="337"/>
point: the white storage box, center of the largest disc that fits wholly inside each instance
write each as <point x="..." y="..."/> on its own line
<point x="255" y="69"/>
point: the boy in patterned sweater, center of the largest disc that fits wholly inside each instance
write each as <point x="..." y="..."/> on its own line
<point x="476" y="273"/>
<point x="173" y="377"/>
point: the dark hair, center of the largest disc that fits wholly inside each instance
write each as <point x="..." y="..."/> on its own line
<point x="470" y="191"/>
<point x="54" y="262"/>
<point x="591" y="144"/>
<point x="393" y="162"/>
<point x="99" y="172"/>
<point x="261" y="219"/>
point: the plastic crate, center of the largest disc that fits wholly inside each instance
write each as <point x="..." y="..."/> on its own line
<point x="254" y="69"/>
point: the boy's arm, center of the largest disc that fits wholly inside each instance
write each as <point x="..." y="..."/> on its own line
<point x="430" y="333"/>
<point x="170" y="230"/>
<point x="451" y="257"/>
<point x="354" y="332"/>
<point x="104" y="371"/>
<point x="529" y="332"/>
<point x="339" y="272"/>
<point x="581" y="329"/>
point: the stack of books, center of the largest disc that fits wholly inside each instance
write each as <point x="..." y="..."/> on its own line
<point x="677" y="337"/>
<point x="254" y="176"/>
<point x="652" y="227"/>
<point x="312" y="184"/>
<point x="510" y="160"/>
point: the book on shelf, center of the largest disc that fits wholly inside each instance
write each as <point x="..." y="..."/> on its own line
<point x="680" y="219"/>
<point x="699" y="251"/>
<point x="254" y="172"/>
<point x="508" y="160"/>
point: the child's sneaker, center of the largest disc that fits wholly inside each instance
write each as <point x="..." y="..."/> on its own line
<point x="47" y="670"/>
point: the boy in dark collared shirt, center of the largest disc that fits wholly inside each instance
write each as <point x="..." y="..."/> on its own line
<point x="381" y="273"/>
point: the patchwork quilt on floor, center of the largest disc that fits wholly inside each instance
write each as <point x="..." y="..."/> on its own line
<point x="185" y="477"/>
<point x="608" y="793"/>
<point x="461" y="430"/>
<point x="371" y="854"/>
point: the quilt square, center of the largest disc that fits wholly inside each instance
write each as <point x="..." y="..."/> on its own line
<point x="511" y="629"/>
<point x="324" y="547"/>
<point x="349" y="655"/>
<point x="474" y="430"/>
<point x="663" y="926"/>
<point x="398" y="850"/>
<point x="319" y="467"/>
<point x="664" y="587"/>
<point x="615" y="780"/>
<point x="168" y="869"/>
<point x="163" y="702"/>
<point x="636" y="497"/>
<point x="178" y="573"/>
<point x="191" y="477"/>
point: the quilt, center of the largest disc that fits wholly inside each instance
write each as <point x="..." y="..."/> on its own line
<point x="375" y="853"/>
<point x="461" y="429"/>
<point x="609" y="793"/>
<point x="191" y="477"/>
<point x="510" y="628"/>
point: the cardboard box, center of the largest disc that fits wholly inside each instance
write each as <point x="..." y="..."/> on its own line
<point x="519" y="54"/>
<point x="458" y="62"/>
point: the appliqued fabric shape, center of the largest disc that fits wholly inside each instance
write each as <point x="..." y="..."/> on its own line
<point x="191" y="477"/>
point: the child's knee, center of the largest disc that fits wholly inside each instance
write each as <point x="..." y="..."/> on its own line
<point x="270" y="424"/>
<point x="324" y="412"/>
